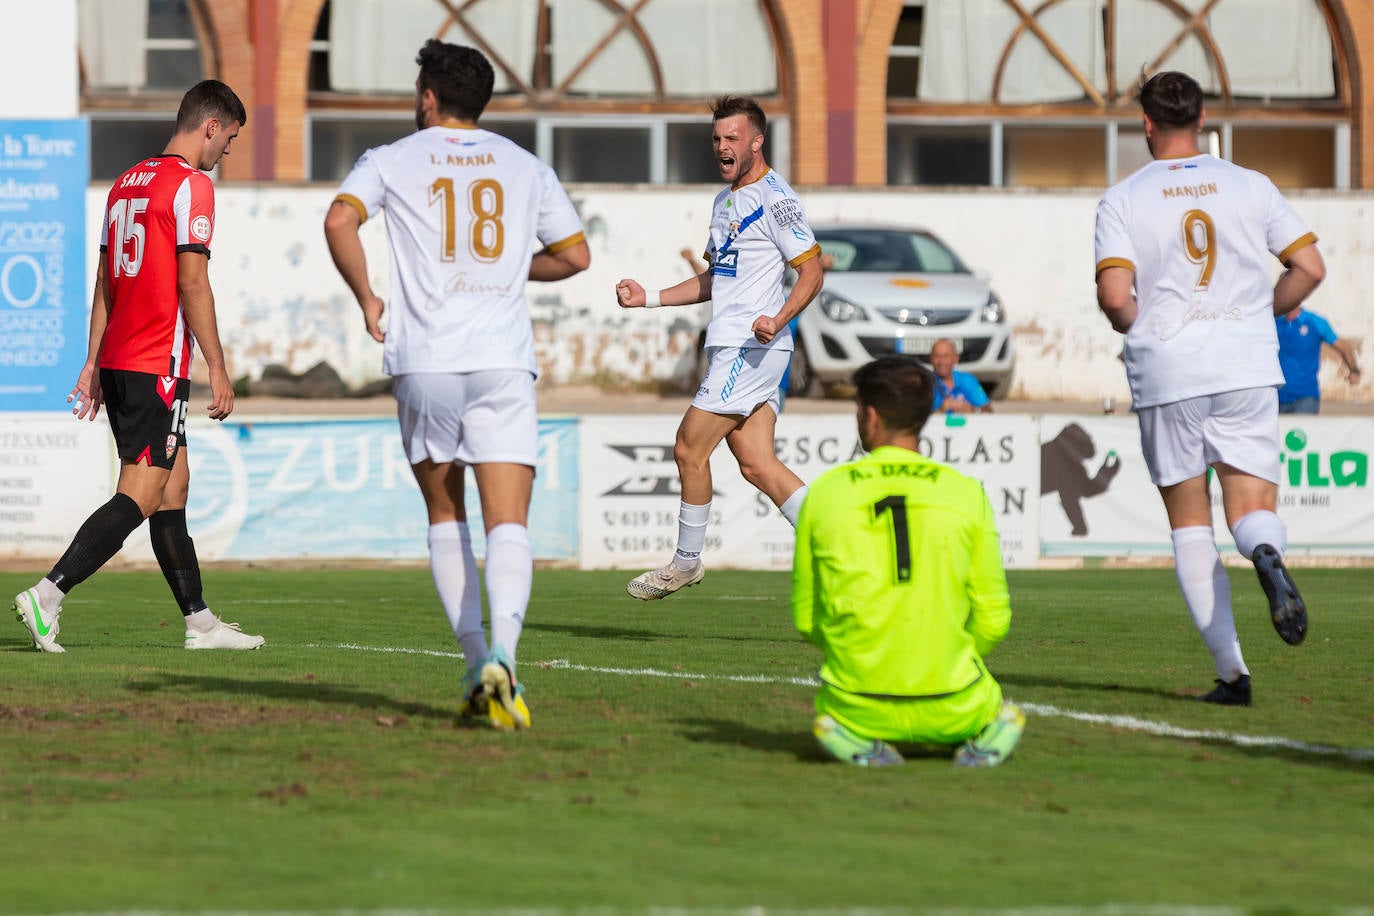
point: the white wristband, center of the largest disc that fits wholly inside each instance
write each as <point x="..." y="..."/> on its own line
<point x="651" y="300"/>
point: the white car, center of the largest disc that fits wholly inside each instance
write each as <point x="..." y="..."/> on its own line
<point x="897" y="290"/>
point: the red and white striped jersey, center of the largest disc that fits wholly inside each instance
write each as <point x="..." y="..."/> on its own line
<point x="156" y="210"/>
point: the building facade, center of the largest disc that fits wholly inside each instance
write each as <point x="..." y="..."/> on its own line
<point x="872" y="93"/>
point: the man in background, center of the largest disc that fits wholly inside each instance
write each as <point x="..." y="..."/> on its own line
<point x="1183" y="248"/>
<point x="1301" y="335"/>
<point x="470" y="218"/>
<point x="152" y="303"/>
<point x="955" y="391"/>
<point x="897" y="577"/>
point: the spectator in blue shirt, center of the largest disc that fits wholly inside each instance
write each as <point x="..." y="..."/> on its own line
<point x="1301" y="335"/>
<point x="955" y="392"/>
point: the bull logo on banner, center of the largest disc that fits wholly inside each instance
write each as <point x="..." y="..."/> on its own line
<point x="1063" y="470"/>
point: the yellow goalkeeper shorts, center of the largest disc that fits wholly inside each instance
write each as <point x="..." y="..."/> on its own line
<point x="935" y="720"/>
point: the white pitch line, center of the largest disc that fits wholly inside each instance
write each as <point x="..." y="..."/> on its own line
<point x="1129" y="723"/>
<point x="1164" y="729"/>
<point x="562" y="664"/>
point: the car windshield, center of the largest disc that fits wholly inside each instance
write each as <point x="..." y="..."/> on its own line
<point x="887" y="251"/>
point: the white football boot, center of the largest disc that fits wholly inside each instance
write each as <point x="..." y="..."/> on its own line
<point x="221" y="636"/>
<point x="660" y="583"/>
<point x="39" y="620"/>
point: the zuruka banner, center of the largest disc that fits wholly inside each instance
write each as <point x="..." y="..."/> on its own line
<point x="287" y="489"/>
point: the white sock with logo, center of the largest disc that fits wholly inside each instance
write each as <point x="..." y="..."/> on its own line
<point x="1259" y="527"/>
<point x="691" y="534"/>
<point x="1207" y="592"/>
<point x="454" y="568"/>
<point x="510" y="570"/>
<point x="791" y="506"/>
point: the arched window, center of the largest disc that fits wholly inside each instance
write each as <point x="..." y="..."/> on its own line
<point x="605" y="90"/>
<point x="1041" y="92"/>
<point x="137" y="58"/>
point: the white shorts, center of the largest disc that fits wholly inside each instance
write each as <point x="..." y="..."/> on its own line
<point x="1240" y="428"/>
<point x="486" y="417"/>
<point x="739" y="379"/>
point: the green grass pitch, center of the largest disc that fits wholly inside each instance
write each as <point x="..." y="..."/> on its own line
<point x="327" y="771"/>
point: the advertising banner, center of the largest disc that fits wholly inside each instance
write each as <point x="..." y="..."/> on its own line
<point x="53" y="472"/>
<point x="1097" y="499"/>
<point x="630" y="491"/>
<point x="44" y="169"/>
<point x="343" y="488"/>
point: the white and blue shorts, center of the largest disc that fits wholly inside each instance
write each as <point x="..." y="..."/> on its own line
<point x="739" y="379"/>
<point x="486" y="417"/>
<point x="1239" y="428"/>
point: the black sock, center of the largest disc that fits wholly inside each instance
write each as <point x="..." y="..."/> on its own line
<point x="97" y="540"/>
<point x="176" y="554"/>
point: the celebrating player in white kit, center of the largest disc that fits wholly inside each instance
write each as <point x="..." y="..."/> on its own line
<point x="466" y="210"/>
<point x="758" y="229"/>
<point x="1193" y="234"/>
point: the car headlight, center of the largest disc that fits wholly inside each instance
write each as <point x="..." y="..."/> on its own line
<point x="838" y="308"/>
<point x="993" y="313"/>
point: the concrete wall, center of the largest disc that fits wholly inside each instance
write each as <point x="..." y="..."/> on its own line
<point x="38" y="60"/>
<point x="281" y="301"/>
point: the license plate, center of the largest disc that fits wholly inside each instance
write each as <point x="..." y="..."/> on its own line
<point x="920" y="346"/>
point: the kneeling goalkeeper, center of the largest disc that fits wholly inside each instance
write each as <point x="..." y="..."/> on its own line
<point x="898" y="578"/>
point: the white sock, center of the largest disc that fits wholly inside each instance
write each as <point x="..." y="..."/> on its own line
<point x="1207" y="592"/>
<point x="1259" y="527"/>
<point x="791" y="506"/>
<point x="454" y="568"/>
<point x="510" y="567"/>
<point x="203" y="620"/>
<point x="691" y="534"/>
<point x="49" y="595"/>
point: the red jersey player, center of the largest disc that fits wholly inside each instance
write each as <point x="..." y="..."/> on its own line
<point x="152" y="303"/>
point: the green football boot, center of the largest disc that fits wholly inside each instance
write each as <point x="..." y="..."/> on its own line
<point x="844" y="745"/>
<point x="996" y="743"/>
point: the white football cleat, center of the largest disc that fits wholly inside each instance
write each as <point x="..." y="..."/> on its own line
<point x="40" y="621"/>
<point x="221" y="636"/>
<point x="660" y="583"/>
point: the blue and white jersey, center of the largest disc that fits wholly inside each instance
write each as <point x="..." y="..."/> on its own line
<point x="757" y="230"/>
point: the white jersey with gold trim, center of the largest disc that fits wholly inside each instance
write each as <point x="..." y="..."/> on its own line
<point x="756" y="231"/>
<point x="1197" y="232"/>
<point x="466" y="210"/>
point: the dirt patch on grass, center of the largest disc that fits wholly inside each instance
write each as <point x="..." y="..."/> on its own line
<point x="166" y="715"/>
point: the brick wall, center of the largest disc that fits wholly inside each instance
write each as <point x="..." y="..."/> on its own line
<point x="802" y="55"/>
<point x="231" y="34"/>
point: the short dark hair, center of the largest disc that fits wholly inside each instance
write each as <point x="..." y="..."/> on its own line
<point x="725" y="106"/>
<point x="209" y="99"/>
<point x="1172" y="99"/>
<point x="900" y="388"/>
<point x="460" y="77"/>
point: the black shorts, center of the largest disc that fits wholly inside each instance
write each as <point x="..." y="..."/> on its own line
<point x="147" y="415"/>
